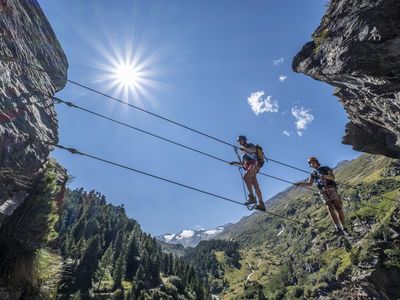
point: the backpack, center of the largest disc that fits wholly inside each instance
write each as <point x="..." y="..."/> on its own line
<point x="260" y="155"/>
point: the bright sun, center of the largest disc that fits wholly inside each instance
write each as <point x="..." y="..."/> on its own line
<point x="129" y="78"/>
<point x="127" y="75"/>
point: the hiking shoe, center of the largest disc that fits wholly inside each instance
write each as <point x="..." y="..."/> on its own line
<point x="341" y="232"/>
<point x="336" y="232"/>
<point x="251" y="200"/>
<point x="260" y="207"/>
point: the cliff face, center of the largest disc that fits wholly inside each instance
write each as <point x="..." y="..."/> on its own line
<point x="357" y="49"/>
<point x="27" y="46"/>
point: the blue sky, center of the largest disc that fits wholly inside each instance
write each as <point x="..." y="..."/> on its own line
<point x="201" y="63"/>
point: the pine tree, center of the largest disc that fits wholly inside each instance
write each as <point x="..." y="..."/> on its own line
<point x="170" y="264"/>
<point x="164" y="263"/>
<point x="92" y="227"/>
<point x="88" y="264"/>
<point x="119" y="241"/>
<point x="140" y="274"/>
<point x="190" y="275"/>
<point x="139" y="284"/>
<point x="199" y="290"/>
<point x="80" y="248"/>
<point x="118" y="272"/>
<point x="155" y="270"/>
<point x="77" y="230"/>
<point x="132" y="258"/>
<point x="105" y="266"/>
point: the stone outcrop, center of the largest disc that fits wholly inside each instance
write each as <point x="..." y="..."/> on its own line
<point x="356" y="48"/>
<point x="32" y="66"/>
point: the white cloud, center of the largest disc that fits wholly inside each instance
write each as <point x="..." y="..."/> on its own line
<point x="282" y="78"/>
<point x="286" y="133"/>
<point x="185" y="234"/>
<point x="261" y="105"/>
<point x="303" y="118"/>
<point x="278" y="61"/>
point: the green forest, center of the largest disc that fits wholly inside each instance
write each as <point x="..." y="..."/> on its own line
<point x="106" y="252"/>
<point x="86" y="248"/>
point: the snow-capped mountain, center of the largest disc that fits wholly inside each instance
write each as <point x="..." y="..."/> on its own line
<point x="190" y="238"/>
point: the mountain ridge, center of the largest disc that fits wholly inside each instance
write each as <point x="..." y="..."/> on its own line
<point x="191" y="237"/>
<point x="297" y="261"/>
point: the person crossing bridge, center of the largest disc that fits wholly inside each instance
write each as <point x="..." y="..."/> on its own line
<point x="324" y="179"/>
<point x="251" y="160"/>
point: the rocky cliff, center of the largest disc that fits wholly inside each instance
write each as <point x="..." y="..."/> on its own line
<point x="356" y="48"/>
<point x="27" y="116"/>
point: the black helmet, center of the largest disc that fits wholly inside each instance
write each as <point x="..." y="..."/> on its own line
<point x="313" y="158"/>
<point x="241" y="137"/>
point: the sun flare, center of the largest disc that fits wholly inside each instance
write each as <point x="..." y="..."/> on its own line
<point x="127" y="75"/>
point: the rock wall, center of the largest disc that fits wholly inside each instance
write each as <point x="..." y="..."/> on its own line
<point x="356" y="48"/>
<point x="32" y="66"/>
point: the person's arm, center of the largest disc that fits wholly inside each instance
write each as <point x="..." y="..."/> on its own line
<point x="307" y="183"/>
<point x="330" y="176"/>
<point x="235" y="163"/>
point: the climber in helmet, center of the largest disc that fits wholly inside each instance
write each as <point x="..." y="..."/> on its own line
<point x="250" y="163"/>
<point x="324" y="180"/>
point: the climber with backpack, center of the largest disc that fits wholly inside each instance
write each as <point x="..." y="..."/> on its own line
<point x="251" y="159"/>
<point x="322" y="177"/>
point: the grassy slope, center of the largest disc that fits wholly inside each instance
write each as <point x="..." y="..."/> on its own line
<point x="28" y="260"/>
<point x="316" y="258"/>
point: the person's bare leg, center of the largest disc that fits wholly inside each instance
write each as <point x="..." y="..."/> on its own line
<point x="341" y="215"/>
<point x="257" y="189"/>
<point x="247" y="180"/>
<point x="337" y="205"/>
<point x="333" y="215"/>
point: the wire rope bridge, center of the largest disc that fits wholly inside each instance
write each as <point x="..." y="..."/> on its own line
<point x="129" y="168"/>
